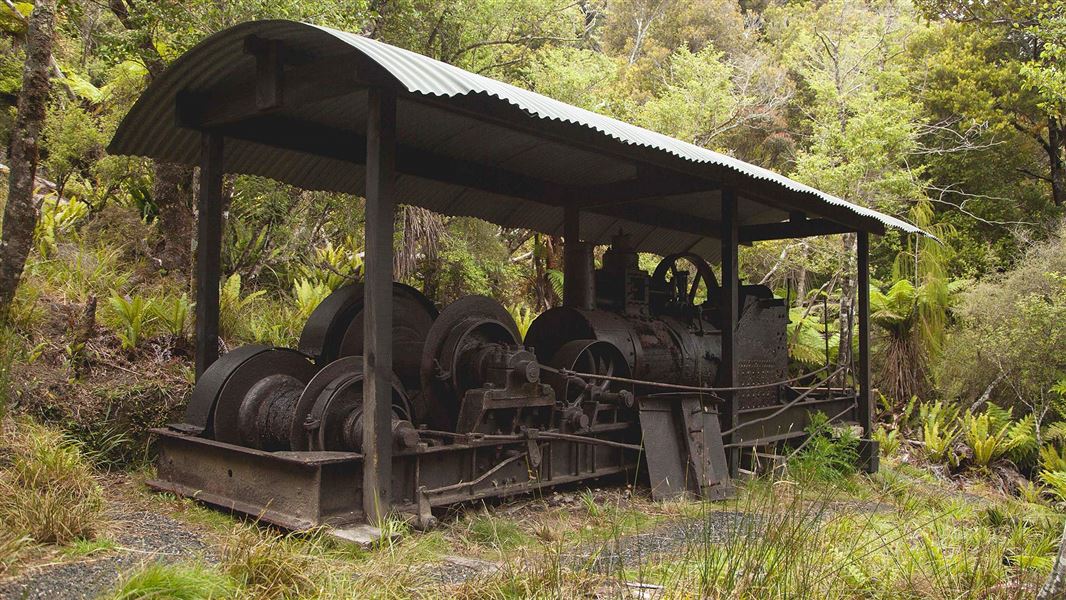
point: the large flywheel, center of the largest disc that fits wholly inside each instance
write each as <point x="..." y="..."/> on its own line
<point x="449" y="362"/>
<point x="335" y="329"/>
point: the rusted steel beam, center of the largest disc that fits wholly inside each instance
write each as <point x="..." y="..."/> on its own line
<point x="377" y="303"/>
<point x="208" y="250"/>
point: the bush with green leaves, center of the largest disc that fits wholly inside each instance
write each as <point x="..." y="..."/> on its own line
<point x="174" y="314"/>
<point x="828" y="453"/>
<point x="133" y="315"/>
<point x="1009" y="343"/>
<point x="233" y="305"/>
<point x="308" y="295"/>
<point x="58" y="218"/>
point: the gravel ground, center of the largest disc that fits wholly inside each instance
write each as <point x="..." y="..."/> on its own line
<point x="141" y="536"/>
<point x="675" y="537"/>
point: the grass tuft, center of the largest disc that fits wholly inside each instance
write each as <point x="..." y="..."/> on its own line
<point x="159" y="581"/>
<point x="47" y="489"/>
<point x="266" y="565"/>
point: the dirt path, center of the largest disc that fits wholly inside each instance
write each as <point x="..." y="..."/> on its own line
<point x="141" y="536"/>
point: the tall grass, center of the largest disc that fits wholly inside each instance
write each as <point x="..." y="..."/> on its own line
<point x="47" y="489"/>
<point x="158" y="581"/>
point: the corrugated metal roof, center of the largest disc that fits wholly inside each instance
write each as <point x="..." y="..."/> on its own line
<point x="150" y="130"/>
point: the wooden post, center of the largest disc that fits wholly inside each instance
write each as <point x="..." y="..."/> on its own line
<point x="865" y="408"/>
<point x="727" y="377"/>
<point x="577" y="262"/>
<point x="208" y="250"/>
<point x="377" y="300"/>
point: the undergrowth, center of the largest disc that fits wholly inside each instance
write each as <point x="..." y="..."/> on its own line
<point x="47" y="489"/>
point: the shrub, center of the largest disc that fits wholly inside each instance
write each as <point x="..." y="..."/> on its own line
<point x="523" y="317"/>
<point x="333" y="266"/>
<point x="988" y="440"/>
<point x="266" y="565"/>
<point x="827" y="454"/>
<point x="173" y="582"/>
<point x="57" y="218"/>
<point x="232" y="305"/>
<point x="133" y="315"/>
<point x="1009" y="329"/>
<point x="308" y="295"/>
<point x="939" y="432"/>
<point x="174" y="314"/>
<point x="47" y="492"/>
<point x="887" y="440"/>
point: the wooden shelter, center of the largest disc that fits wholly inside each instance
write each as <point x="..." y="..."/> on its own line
<point x="328" y="110"/>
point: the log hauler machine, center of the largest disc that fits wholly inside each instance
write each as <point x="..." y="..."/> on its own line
<point x="391" y="403"/>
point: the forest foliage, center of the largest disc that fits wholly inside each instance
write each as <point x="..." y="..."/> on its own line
<point x="951" y="114"/>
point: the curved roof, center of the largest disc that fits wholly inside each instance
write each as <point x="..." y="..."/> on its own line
<point x="464" y="121"/>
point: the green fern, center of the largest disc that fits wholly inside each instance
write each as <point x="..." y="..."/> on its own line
<point x="1021" y="436"/>
<point x="1055" y="432"/>
<point x="939" y="439"/>
<point x="232" y="304"/>
<point x="988" y="440"/>
<point x="1052" y="458"/>
<point x="1056" y="483"/>
<point x="308" y="295"/>
<point x="523" y="318"/>
<point x="174" y="313"/>
<point x="133" y="314"/>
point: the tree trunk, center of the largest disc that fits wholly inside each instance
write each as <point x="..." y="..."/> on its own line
<point x="1056" y="141"/>
<point x="20" y="213"/>
<point x="1055" y="586"/>
<point x="172" y="185"/>
<point x="172" y="192"/>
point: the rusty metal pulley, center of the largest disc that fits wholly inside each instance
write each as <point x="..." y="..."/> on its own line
<point x="449" y="363"/>
<point x="254" y="406"/>
<point x="335" y="329"/>
<point x="334" y="408"/>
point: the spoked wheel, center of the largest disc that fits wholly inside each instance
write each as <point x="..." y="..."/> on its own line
<point x="587" y="356"/>
<point x="673" y="282"/>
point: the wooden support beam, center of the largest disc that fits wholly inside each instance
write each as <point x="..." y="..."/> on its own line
<point x="653" y="183"/>
<point x="275" y="86"/>
<point x="659" y="217"/>
<point x="310" y="138"/>
<point x="208" y="250"/>
<point x="269" y="71"/>
<point x="377" y="300"/>
<point x="865" y="408"/>
<point x="577" y="262"/>
<point x="730" y="311"/>
<point x="790" y="229"/>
